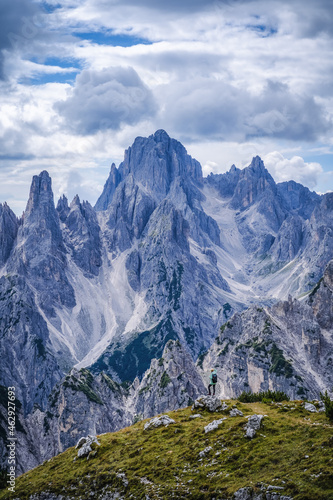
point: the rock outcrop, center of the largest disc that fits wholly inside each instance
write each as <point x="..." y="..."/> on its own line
<point x="82" y="234"/>
<point x="39" y="252"/>
<point x="8" y="232"/>
<point x="278" y="348"/>
<point x="27" y="359"/>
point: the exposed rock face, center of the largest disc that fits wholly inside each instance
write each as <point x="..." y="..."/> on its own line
<point x="28" y="362"/>
<point x="127" y="215"/>
<point x="321" y="299"/>
<point x="278" y="224"/>
<point x="84" y="445"/>
<point x="163" y="269"/>
<point x="80" y="405"/>
<point x="253" y="182"/>
<point x="82" y="234"/>
<point x="171" y="382"/>
<point x="8" y="232"/>
<point x="155" y="162"/>
<point x="210" y="403"/>
<point x="164" y="420"/>
<point x="318" y="239"/>
<point x="39" y="253"/>
<point x="289" y="239"/>
<point x="278" y="348"/>
<point x="158" y="236"/>
<point x="214" y="425"/>
<point x="110" y="186"/>
<point x="298" y="198"/>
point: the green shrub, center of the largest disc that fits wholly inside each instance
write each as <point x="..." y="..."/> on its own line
<point x="165" y="380"/>
<point x="264" y="396"/>
<point x="137" y="418"/>
<point x="328" y="405"/>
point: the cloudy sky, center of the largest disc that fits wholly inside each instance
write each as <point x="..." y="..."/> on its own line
<point x="230" y="79"/>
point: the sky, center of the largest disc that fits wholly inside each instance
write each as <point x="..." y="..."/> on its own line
<point x="230" y="79"/>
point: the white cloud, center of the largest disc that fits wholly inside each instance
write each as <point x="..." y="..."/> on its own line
<point x="106" y="99"/>
<point x="229" y="78"/>
<point x="295" y="168"/>
<point x="219" y="110"/>
<point x="210" y="167"/>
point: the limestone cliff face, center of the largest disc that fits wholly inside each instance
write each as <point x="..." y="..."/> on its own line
<point x="287" y="347"/>
<point x="81" y="233"/>
<point x="127" y="216"/>
<point x="181" y="293"/>
<point x="28" y="361"/>
<point x="110" y="186"/>
<point x="8" y="232"/>
<point x="171" y="382"/>
<point x="156" y="161"/>
<point x="39" y="253"/>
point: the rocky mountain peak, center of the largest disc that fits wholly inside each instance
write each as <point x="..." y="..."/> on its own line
<point x="298" y="198"/>
<point x="154" y="162"/>
<point x="161" y="136"/>
<point x="62" y="208"/>
<point x="253" y="181"/>
<point x="75" y="201"/>
<point x="234" y="169"/>
<point x="327" y="203"/>
<point x="110" y="186"/>
<point x="41" y="217"/>
<point x="257" y="165"/>
<point x="172" y="381"/>
<point x="41" y="194"/>
<point x="40" y="254"/>
<point x="157" y="160"/>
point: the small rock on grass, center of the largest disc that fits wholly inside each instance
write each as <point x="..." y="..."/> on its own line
<point x="253" y="425"/>
<point x="84" y="445"/>
<point x="158" y="421"/>
<point x="214" y="425"/>
<point x="310" y="407"/>
<point x="204" y="452"/>
<point x="210" y="403"/>
<point x="234" y="413"/>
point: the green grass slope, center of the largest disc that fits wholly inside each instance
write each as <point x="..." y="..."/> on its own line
<point x="293" y="450"/>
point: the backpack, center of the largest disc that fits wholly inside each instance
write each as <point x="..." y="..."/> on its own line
<point x="214" y="378"/>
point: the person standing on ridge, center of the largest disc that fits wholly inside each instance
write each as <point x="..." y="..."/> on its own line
<point x="212" y="381"/>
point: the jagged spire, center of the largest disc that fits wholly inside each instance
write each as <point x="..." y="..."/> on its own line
<point x="110" y="186"/>
<point x="40" y="192"/>
<point x="8" y="231"/>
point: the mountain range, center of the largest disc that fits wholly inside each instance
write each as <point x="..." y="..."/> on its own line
<point x="113" y="313"/>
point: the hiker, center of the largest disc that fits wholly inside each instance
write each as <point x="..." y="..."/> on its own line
<point x="212" y="381"/>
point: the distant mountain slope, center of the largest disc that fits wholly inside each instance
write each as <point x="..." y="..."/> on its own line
<point x="287" y="347"/>
<point x="165" y="255"/>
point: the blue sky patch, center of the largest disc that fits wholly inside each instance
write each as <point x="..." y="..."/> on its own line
<point x="112" y="39"/>
<point x="41" y="79"/>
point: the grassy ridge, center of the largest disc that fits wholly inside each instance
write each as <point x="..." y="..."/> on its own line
<point x="293" y="450"/>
